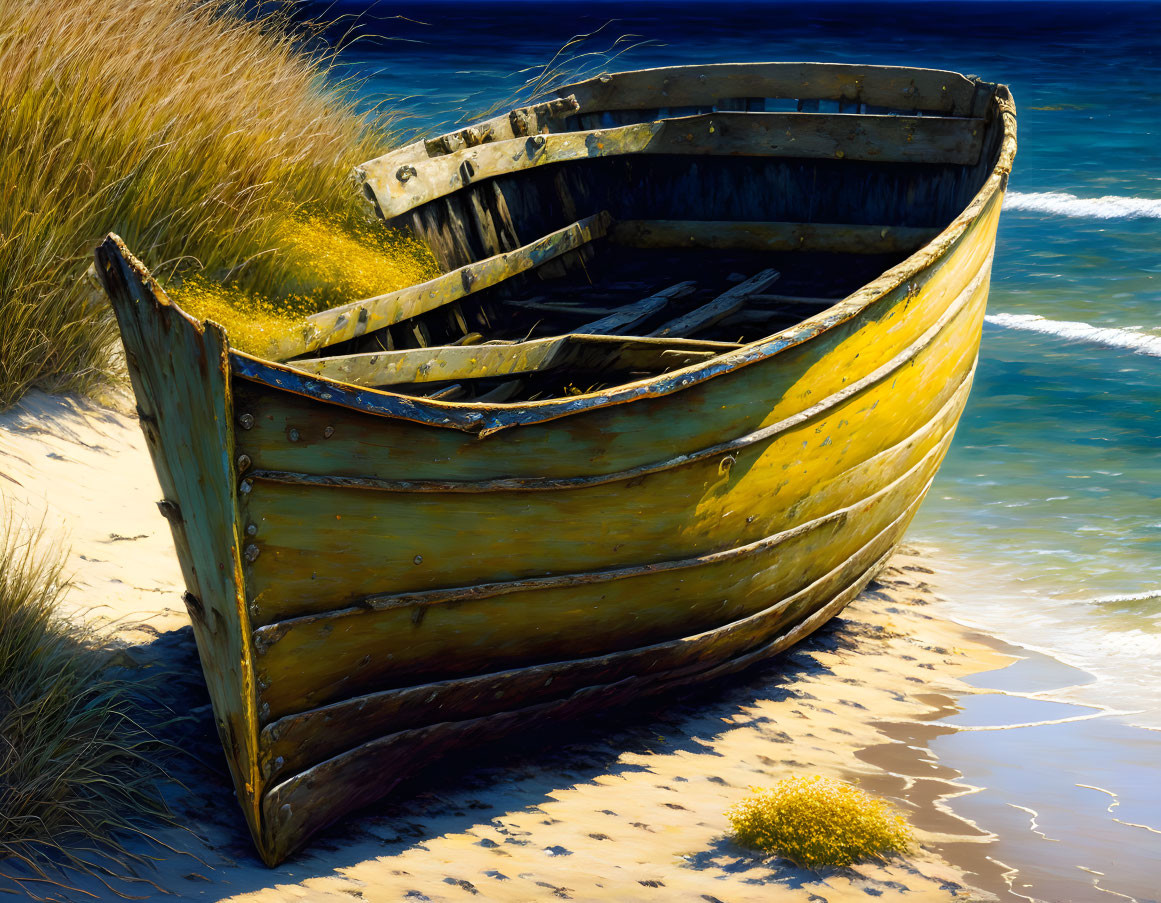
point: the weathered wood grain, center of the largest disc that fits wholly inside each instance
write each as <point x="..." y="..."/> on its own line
<point x="307" y="662"/>
<point x="895" y="139"/>
<point x="423" y="365"/>
<point x="897" y="88"/>
<point x="360" y="317"/>
<point x="180" y="375"/>
<point x="720" y="307"/>
<point x="623" y="319"/>
<point x="314" y="564"/>
<point x="833" y="238"/>
<point x="292" y="822"/>
<point x="299" y="741"/>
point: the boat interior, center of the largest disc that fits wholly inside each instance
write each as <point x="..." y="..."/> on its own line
<point x="594" y="240"/>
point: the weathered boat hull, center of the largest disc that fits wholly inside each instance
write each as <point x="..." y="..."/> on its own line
<point x="374" y="579"/>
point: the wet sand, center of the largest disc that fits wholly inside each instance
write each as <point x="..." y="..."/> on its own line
<point x="627" y="808"/>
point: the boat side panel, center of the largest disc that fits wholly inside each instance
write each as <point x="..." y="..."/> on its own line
<point x="180" y="375"/>
<point x="318" y="660"/>
<point x="295" y="809"/>
<point x="295" y="742"/>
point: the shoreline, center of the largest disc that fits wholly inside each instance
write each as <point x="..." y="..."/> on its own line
<point x="626" y="809"/>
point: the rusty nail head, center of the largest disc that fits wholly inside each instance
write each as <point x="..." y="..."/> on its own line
<point x="328" y="432"/>
<point x="243" y="462"/>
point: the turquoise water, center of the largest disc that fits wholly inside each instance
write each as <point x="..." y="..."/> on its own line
<point x="1050" y="500"/>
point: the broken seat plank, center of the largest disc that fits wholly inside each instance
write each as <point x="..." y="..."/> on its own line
<point x="625" y="318"/>
<point x="721" y="307"/>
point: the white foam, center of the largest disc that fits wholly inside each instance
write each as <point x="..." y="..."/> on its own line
<point x="1141" y="343"/>
<point x="1061" y="204"/>
<point x="1146" y="596"/>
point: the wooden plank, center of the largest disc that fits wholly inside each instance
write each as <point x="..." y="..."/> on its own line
<point x="722" y="306"/>
<point x="437" y="364"/>
<point x="617" y="323"/>
<point x="313" y="660"/>
<point x="898" y="139"/>
<point x="625" y="318"/>
<point x="894" y="87"/>
<point x="180" y="375"/>
<point x="310" y="737"/>
<point x="360" y="317"/>
<point x="836" y="238"/>
<point x="463" y="362"/>
<point x="296" y="811"/>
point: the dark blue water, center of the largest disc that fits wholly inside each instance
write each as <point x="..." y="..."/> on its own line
<point x="1051" y="497"/>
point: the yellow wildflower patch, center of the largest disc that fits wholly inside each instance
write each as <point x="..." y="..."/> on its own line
<point x="336" y="260"/>
<point x="251" y="320"/>
<point x="817" y="821"/>
<point x="328" y="261"/>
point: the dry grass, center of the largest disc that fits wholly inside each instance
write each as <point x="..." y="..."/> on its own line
<point x="817" y="822"/>
<point x="188" y="128"/>
<point x="76" y="771"/>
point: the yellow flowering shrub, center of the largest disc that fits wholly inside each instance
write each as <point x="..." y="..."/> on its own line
<point x="329" y="260"/>
<point x="817" y="821"/>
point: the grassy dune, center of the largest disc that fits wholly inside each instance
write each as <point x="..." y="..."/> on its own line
<point x="77" y="772"/>
<point x="194" y="131"/>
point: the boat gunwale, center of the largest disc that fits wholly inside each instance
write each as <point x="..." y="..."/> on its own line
<point x="484" y="419"/>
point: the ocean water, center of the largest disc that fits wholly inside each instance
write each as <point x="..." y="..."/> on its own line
<point x="1049" y="504"/>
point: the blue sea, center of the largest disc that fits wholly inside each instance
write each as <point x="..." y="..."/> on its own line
<point x="1048" y="508"/>
<point x="1049" y="505"/>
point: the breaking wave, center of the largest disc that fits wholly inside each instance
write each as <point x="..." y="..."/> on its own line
<point x="1147" y="596"/>
<point x="1141" y="343"/>
<point x="1061" y="204"/>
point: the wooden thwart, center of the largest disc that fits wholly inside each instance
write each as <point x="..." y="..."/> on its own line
<point x="722" y="306"/>
<point x="360" y="317"/>
<point x="463" y="362"/>
<point x="835" y="238"/>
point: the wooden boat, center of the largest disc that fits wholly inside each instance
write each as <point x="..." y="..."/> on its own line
<point x="598" y="458"/>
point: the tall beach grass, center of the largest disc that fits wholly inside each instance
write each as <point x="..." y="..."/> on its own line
<point x="77" y="772"/>
<point x="197" y="129"/>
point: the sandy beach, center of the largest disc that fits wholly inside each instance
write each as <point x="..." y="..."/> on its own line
<point x="890" y="697"/>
